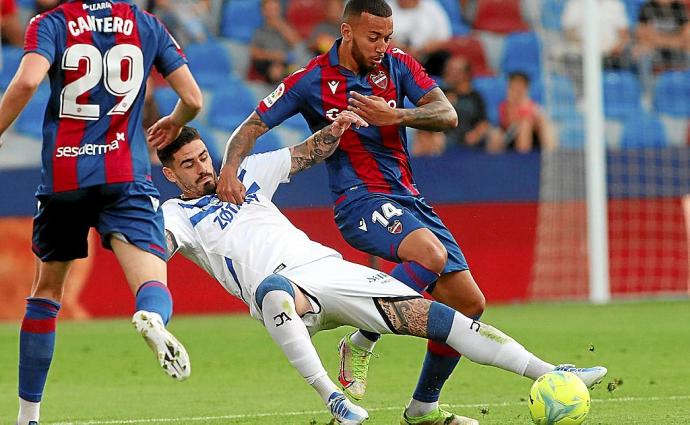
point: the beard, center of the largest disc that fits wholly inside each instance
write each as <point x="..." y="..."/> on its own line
<point x="358" y="56"/>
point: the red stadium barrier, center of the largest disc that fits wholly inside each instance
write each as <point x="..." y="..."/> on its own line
<point x="498" y="240"/>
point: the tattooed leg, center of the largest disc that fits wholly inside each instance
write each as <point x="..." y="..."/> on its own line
<point x="479" y="342"/>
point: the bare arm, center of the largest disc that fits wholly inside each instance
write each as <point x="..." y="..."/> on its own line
<point x="32" y="70"/>
<point x="407" y="317"/>
<point x="240" y="144"/>
<point x="191" y="101"/>
<point x="433" y="112"/>
<point x="323" y="143"/>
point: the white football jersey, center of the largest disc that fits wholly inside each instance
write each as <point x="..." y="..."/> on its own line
<point x="241" y="245"/>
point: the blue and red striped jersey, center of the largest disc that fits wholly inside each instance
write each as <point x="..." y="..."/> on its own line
<point x="101" y="53"/>
<point x="374" y="158"/>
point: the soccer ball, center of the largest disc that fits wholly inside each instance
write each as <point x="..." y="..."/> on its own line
<point x="559" y="398"/>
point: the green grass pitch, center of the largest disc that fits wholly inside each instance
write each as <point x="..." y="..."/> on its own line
<point x="104" y="374"/>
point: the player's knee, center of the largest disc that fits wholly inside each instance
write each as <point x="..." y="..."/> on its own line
<point x="474" y="307"/>
<point x="434" y="257"/>
<point x="274" y="282"/>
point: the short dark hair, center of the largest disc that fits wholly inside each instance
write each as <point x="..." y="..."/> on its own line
<point x="355" y="8"/>
<point x="187" y="135"/>
<point x="519" y="75"/>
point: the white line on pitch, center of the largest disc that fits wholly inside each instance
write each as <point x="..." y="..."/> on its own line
<point x="320" y="412"/>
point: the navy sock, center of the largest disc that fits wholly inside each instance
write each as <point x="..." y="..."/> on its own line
<point x="440" y="359"/>
<point x="155" y="297"/>
<point x="414" y="275"/>
<point x="36" y="346"/>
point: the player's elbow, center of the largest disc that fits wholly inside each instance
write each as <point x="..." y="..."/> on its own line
<point x="452" y="118"/>
<point x="194" y="101"/>
<point x="26" y="83"/>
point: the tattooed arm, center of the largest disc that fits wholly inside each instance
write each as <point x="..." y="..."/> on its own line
<point x="433" y="112"/>
<point x="240" y="144"/>
<point x="406" y="316"/>
<point x="323" y="143"/>
<point x="171" y="243"/>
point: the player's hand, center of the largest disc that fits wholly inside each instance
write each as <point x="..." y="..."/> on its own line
<point x="229" y="187"/>
<point x="373" y="109"/>
<point x="344" y="120"/>
<point x="163" y="132"/>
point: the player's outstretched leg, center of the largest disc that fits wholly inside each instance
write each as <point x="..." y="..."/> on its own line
<point x="154" y="308"/>
<point x="479" y="342"/>
<point x="36" y="346"/>
<point x="275" y="297"/>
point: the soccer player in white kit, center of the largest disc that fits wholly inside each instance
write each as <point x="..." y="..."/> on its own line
<point x="298" y="287"/>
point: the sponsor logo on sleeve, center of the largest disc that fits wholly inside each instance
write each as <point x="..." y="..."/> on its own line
<point x="272" y="98"/>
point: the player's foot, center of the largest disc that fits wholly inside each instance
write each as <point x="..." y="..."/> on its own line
<point x="437" y="417"/>
<point x="590" y="375"/>
<point x="344" y="411"/>
<point x="171" y="354"/>
<point x="30" y="423"/>
<point x="354" y="365"/>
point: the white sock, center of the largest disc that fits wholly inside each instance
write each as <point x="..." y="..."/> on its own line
<point x="289" y="332"/>
<point x="536" y="367"/>
<point x="417" y="408"/>
<point x="28" y="411"/>
<point x="486" y="345"/>
<point x="362" y="342"/>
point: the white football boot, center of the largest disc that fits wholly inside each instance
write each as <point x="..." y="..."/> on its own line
<point x="590" y="375"/>
<point x="344" y="411"/>
<point x="171" y="354"/>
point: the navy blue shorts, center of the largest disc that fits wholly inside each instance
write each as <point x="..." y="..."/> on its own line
<point x="377" y="223"/>
<point x="63" y="220"/>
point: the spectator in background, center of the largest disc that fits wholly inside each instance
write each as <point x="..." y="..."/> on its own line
<point x="10" y="26"/>
<point x="188" y="20"/>
<point x="473" y="126"/>
<point x="275" y="46"/>
<point x="524" y="125"/>
<point x="614" y="37"/>
<point x="663" y="35"/>
<point x="422" y="28"/>
<point x="324" y="35"/>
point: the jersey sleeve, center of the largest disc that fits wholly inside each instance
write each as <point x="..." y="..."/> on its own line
<point x="177" y="223"/>
<point x="284" y="101"/>
<point x="414" y="80"/>
<point x="40" y="37"/>
<point x="267" y="170"/>
<point x="169" y="55"/>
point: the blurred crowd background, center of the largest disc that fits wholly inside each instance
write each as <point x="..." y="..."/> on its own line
<point x="512" y="68"/>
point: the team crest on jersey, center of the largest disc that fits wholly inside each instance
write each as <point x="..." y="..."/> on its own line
<point x="273" y="97"/>
<point x="379" y="78"/>
<point x="395" y="228"/>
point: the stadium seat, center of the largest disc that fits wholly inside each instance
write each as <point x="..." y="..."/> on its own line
<point x="672" y="94"/>
<point x="571" y="134"/>
<point x="472" y="49"/>
<point x="499" y="16"/>
<point x="230" y="105"/>
<point x="457" y="23"/>
<point x="30" y="121"/>
<point x="165" y="98"/>
<point x="267" y="142"/>
<point x="493" y="91"/>
<point x="632" y="8"/>
<point x="210" y="63"/>
<point x="643" y="131"/>
<point x="621" y="94"/>
<point x="522" y="52"/>
<point x="240" y="19"/>
<point x="304" y="15"/>
<point x="561" y="96"/>
<point x="551" y="12"/>
<point x="11" y="57"/>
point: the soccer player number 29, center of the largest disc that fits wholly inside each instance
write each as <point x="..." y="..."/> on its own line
<point x="109" y="67"/>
